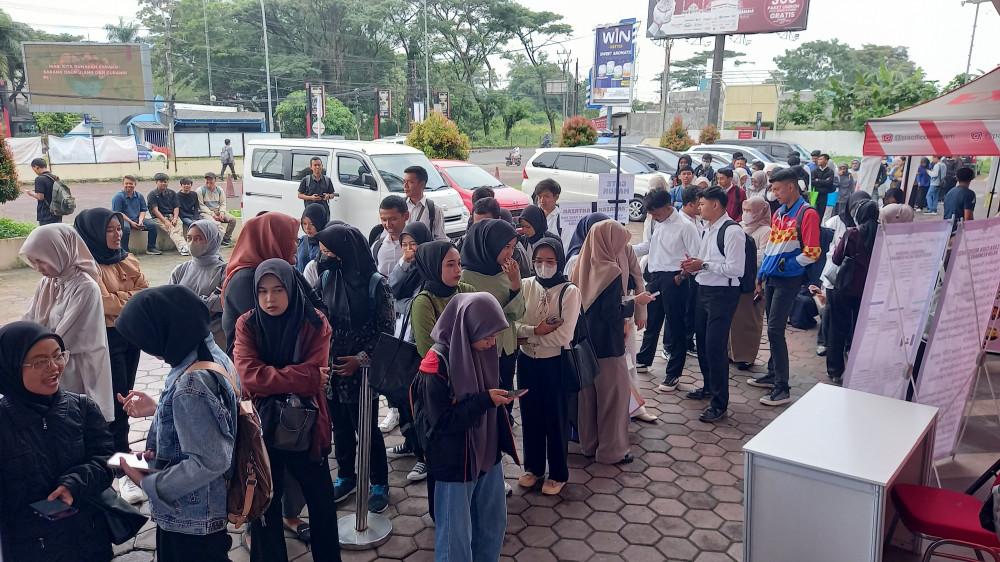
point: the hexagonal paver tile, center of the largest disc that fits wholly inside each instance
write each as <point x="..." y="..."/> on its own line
<point x="605" y="521"/>
<point x="572" y="550"/>
<point x="710" y="540"/>
<point x="698" y="500"/>
<point x="640" y="534"/>
<point x="398" y="547"/>
<point x="573" y="509"/>
<point x="605" y="502"/>
<point x="572" y="529"/>
<point x="542" y="537"/>
<point x="607" y="542"/>
<point x="672" y="526"/>
<point x="703" y="519"/>
<point x="676" y="548"/>
<point x="543" y="516"/>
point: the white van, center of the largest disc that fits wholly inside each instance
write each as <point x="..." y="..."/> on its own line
<point x="363" y="174"/>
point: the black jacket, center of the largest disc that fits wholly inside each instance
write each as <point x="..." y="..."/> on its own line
<point x="606" y="321"/>
<point x="822" y="180"/>
<point x="67" y="445"/>
<point x="447" y="445"/>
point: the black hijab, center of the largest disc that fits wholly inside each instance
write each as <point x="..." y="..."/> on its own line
<point x="277" y="337"/>
<point x="866" y="217"/>
<point x="168" y="321"/>
<point x="847" y="213"/>
<point x="16" y="340"/>
<point x="580" y="233"/>
<point x="535" y="216"/>
<point x="430" y="257"/>
<point x="483" y="243"/>
<point x="409" y="283"/>
<point x="319" y="215"/>
<point x="92" y="224"/>
<point x="418" y="231"/>
<point x="345" y="292"/>
<point x="560" y="276"/>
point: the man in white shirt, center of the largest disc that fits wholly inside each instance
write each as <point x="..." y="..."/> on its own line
<point x="386" y="250"/>
<point x="717" y="271"/>
<point x="671" y="238"/>
<point x="546" y="196"/>
<point x="419" y="206"/>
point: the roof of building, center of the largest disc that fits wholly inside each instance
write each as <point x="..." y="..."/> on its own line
<point x="198" y="115"/>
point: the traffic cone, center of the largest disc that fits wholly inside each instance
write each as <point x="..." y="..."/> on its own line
<point x="230" y="190"/>
<point x="497" y="172"/>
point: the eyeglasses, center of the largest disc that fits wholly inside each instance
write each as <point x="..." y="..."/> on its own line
<point x="49" y="363"/>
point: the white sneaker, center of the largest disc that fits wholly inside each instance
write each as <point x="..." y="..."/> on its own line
<point x="390" y="422"/>
<point x="508" y="490"/>
<point x="184" y="250"/>
<point x="130" y="491"/>
<point x="418" y="473"/>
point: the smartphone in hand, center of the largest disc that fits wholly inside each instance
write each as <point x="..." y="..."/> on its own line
<point x="136" y="461"/>
<point x="517" y="392"/>
<point x="553" y="320"/>
<point x="53" y="510"/>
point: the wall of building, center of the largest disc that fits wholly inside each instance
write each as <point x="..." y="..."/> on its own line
<point x="743" y="103"/>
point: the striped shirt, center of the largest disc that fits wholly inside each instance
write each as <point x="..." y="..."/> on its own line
<point x="791" y="246"/>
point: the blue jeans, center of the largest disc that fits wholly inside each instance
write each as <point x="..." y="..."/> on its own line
<point x="471" y="519"/>
<point x="932" y="198"/>
<point x="150" y="227"/>
<point x="187" y="222"/>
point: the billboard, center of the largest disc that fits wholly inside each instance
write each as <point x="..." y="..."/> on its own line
<point x="614" y="61"/>
<point x="72" y="76"/>
<point x="696" y="18"/>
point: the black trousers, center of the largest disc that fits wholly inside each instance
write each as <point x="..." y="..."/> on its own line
<point x="821" y="204"/>
<point x="178" y="547"/>
<point x="544" y="416"/>
<point x="346" y="417"/>
<point x="314" y="477"/>
<point x="714" y="317"/>
<point x="692" y="305"/>
<point x="843" y="311"/>
<point x="232" y="169"/>
<point x="124" y="364"/>
<point x="672" y="306"/>
<point x="507" y="365"/>
<point x="401" y="401"/>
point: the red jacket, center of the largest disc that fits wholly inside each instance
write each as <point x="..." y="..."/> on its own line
<point x="260" y="379"/>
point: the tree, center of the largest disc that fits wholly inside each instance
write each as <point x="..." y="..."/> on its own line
<point x="56" y="124"/>
<point x="8" y="173"/>
<point x="709" y="134"/>
<point x="876" y="94"/>
<point x="687" y="73"/>
<point x="512" y="112"/>
<point x="807" y="112"/>
<point x="676" y="137"/>
<point x="439" y="137"/>
<point x="578" y="131"/>
<point x="122" y="32"/>
<point x="291" y="114"/>
<point x="812" y="64"/>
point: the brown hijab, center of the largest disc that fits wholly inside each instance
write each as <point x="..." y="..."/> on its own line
<point x="272" y="235"/>
<point x="602" y="260"/>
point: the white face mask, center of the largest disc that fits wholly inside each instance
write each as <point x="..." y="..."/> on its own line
<point x="545" y="270"/>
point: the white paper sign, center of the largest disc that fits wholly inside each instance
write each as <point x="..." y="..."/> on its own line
<point x="606" y="187"/>
<point x="572" y="213"/>
<point x="901" y="281"/>
<point x="954" y="347"/>
<point x="609" y="209"/>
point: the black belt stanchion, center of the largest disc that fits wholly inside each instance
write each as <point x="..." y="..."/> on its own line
<point x="364" y="530"/>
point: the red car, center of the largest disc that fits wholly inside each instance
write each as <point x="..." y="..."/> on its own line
<point x="465" y="177"/>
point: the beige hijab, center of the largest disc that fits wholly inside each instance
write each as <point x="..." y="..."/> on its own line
<point x="60" y="247"/>
<point x="602" y="260"/>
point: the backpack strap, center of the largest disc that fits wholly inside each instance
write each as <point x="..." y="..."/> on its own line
<point x="431" y="213"/>
<point x="372" y="285"/>
<point x="798" y="220"/>
<point x="561" y="293"/>
<point x="720" y="239"/>
<point x="215" y="367"/>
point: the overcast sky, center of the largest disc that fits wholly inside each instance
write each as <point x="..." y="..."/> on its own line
<point x="936" y="32"/>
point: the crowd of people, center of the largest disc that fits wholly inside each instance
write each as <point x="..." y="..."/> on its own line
<point x="292" y="321"/>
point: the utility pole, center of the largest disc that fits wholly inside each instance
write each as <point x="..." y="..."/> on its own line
<point x="427" y="64"/>
<point x="576" y="89"/>
<point x="665" y="83"/>
<point x="972" y="41"/>
<point x="267" y="69"/>
<point x="715" y="95"/>
<point x="170" y="88"/>
<point x="208" y="51"/>
<point x="564" y="63"/>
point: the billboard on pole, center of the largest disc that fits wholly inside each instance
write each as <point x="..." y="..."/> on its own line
<point x="614" y="62"/>
<point x="696" y="18"/>
<point x="72" y="77"/>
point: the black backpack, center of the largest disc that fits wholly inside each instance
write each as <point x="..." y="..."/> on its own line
<point x="424" y="430"/>
<point x="748" y="280"/>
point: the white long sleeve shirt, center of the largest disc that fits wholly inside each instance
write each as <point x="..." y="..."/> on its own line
<point x="420" y="213"/>
<point x="722" y="270"/>
<point x="539" y="304"/>
<point x="667" y="243"/>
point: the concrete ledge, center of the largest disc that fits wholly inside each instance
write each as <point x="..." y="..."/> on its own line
<point x="194" y="168"/>
<point x="9" y="249"/>
<point x="137" y="239"/>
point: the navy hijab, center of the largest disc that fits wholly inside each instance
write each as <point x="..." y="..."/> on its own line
<point x="580" y="234"/>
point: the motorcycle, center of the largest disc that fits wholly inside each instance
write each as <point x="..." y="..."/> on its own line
<point x="513" y="160"/>
<point x="546" y="142"/>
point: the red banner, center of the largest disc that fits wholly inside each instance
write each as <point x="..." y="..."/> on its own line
<point x="695" y="18"/>
<point x="601" y="123"/>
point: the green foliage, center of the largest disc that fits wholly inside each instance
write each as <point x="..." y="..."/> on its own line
<point x="122" y="32"/>
<point x="57" y="124"/>
<point x="13" y="229"/>
<point x="811" y="65"/>
<point x="958" y="81"/>
<point x="512" y="112"/>
<point x="8" y="173"/>
<point x="876" y="94"/>
<point x="12" y="33"/>
<point x="578" y="131"/>
<point x="291" y="114"/>
<point x="439" y="137"/>
<point x="813" y="112"/>
<point x="687" y="73"/>
<point x="709" y="134"/>
<point x="676" y="137"/>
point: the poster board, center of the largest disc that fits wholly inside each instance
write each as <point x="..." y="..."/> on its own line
<point x="570" y="214"/>
<point x="898" y="291"/>
<point x="954" y="347"/>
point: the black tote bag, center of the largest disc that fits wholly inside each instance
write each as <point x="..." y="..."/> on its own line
<point x="578" y="362"/>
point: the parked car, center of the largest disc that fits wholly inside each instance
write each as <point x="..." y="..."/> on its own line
<point x="779" y="151"/>
<point x="656" y="158"/>
<point x="576" y="170"/>
<point x="394" y="139"/>
<point x="730" y="149"/>
<point x="465" y="178"/>
<point x="363" y="173"/>
<point x="719" y="159"/>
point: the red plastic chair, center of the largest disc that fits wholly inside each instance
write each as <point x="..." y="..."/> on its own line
<point x="946" y="518"/>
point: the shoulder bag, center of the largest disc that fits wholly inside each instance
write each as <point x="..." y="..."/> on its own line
<point x="396" y="361"/>
<point x="579" y="361"/>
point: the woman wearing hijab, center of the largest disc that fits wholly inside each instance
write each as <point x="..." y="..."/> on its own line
<point x="758" y="185"/>
<point x="602" y="275"/>
<point x="193" y="427"/>
<point x="748" y="321"/>
<point x="282" y="351"/>
<point x="741" y="178"/>
<point x="896" y="213"/>
<point x="457" y="391"/>
<point x="838" y="223"/>
<point x="55" y="446"/>
<point x="272" y="235"/>
<point x="204" y="273"/>
<point x="843" y="302"/>
<point x="488" y="266"/>
<point x="579" y="235"/>
<point x="314" y="219"/>
<point x="552" y="306"/>
<point x="534" y="227"/>
<point x="918" y="197"/>
<point x="893" y="195"/>
<point x="359" y="308"/>
<point x="68" y="302"/>
<point x="120" y="279"/>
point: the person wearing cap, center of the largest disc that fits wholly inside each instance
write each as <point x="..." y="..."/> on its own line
<point x="794" y="244"/>
<point x="213" y="207"/>
<point x="705" y="169"/>
<point x="164" y="207"/>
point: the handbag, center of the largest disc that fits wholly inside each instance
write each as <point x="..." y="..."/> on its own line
<point x="395" y="362"/>
<point x="123" y="520"/>
<point x="579" y="361"/>
<point x="288" y="421"/>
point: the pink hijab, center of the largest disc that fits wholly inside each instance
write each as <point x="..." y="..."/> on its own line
<point x="59" y="246"/>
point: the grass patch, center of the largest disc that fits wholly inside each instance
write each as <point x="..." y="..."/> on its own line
<point x="236" y="213"/>
<point x="14" y="229"/>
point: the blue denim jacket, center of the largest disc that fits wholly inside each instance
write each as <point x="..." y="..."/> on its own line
<point x="195" y="428"/>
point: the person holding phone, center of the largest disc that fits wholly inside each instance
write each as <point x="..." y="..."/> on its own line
<point x="552" y="307"/>
<point x="55" y="447"/>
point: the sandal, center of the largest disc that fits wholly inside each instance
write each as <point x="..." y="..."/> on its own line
<point x="302" y="532"/>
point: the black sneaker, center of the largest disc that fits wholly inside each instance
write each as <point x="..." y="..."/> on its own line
<point x="821" y="350"/>
<point x="227" y="243"/>
<point x="153" y="252"/>
<point x="698" y="394"/>
<point x="343" y="487"/>
<point x="399" y="451"/>
<point x="712" y="414"/>
<point x="743" y="366"/>
<point x="378" y="499"/>
<point x="776" y="397"/>
<point x="641" y="368"/>
<point x="668" y="384"/>
<point x="767" y="381"/>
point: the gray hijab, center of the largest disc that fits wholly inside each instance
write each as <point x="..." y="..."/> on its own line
<point x="468" y="318"/>
<point x="213" y="238"/>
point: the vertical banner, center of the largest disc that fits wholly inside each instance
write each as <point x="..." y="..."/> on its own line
<point x="614" y="57"/>
<point x="384" y="104"/>
<point x="570" y="214"/>
<point x="612" y="200"/>
<point x="442" y="103"/>
<point x="418" y="111"/>
<point x="955" y="346"/>
<point x="901" y="280"/>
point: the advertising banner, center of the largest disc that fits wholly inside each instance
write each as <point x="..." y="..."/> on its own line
<point x="442" y="103"/>
<point x="614" y="57"/>
<point x="87" y="74"/>
<point x="697" y="18"/>
<point x="572" y="213"/>
<point x="384" y="104"/>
